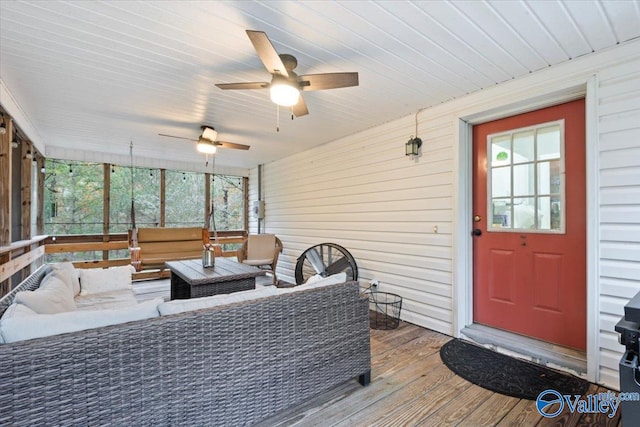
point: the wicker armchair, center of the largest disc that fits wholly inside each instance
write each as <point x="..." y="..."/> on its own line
<point x="261" y="250"/>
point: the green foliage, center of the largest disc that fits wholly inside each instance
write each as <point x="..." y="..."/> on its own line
<point x="73" y="199"/>
<point x="146" y="192"/>
<point x="228" y="203"/>
<point x="184" y="199"/>
<point x="73" y="202"/>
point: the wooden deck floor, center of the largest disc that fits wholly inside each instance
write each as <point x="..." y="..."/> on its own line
<point x="410" y="386"/>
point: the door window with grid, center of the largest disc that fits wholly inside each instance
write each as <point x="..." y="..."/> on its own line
<point x="525" y="179"/>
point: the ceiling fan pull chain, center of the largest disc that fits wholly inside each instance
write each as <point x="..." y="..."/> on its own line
<point x="277" y="118"/>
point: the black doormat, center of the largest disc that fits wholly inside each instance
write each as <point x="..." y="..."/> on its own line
<point x="504" y="374"/>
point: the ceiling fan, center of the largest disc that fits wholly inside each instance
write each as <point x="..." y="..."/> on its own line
<point x="285" y="86"/>
<point x="208" y="142"/>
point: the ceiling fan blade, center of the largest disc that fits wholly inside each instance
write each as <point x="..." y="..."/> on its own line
<point x="327" y="81"/>
<point x="267" y="53"/>
<point x="251" y="85"/>
<point x="300" y="109"/>
<point x="177" y="137"/>
<point x="225" y="144"/>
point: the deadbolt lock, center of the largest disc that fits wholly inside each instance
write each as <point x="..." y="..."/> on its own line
<point x="477" y="218"/>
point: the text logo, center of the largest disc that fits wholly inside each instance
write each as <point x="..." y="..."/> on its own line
<point x="551" y="403"/>
<point x="546" y="401"/>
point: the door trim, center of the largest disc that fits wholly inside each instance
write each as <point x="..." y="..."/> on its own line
<point x="463" y="249"/>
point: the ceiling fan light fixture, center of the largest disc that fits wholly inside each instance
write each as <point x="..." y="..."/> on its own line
<point x="206" y="146"/>
<point x="284" y="94"/>
<point x="209" y="133"/>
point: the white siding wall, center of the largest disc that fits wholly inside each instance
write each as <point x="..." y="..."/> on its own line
<point x="363" y="193"/>
<point x="619" y="159"/>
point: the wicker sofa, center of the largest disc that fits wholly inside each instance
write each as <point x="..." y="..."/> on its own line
<point x="233" y="364"/>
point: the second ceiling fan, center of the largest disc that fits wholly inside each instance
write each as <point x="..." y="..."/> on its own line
<point x="208" y="141"/>
<point x="286" y="85"/>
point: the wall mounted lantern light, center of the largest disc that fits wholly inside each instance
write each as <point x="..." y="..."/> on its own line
<point x="412" y="147"/>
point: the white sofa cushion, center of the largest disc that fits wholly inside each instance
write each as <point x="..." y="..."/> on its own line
<point x="182" y="305"/>
<point x="330" y="280"/>
<point x="106" y="300"/>
<point x="53" y="296"/>
<point x="98" y="280"/>
<point x="42" y="325"/>
<point x="315" y="282"/>
<point x="69" y="275"/>
<point x="15" y="310"/>
<point x="315" y="278"/>
<point x="258" y="262"/>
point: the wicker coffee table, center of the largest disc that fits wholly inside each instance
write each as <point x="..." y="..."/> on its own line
<point x="189" y="279"/>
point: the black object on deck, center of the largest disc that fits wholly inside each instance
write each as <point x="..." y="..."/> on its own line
<point x="384" y="310"/>
<point x="629" y="329"/>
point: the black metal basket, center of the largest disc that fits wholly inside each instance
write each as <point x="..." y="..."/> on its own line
<point x="384" y="310"/>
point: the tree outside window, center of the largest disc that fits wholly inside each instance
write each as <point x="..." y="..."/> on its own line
<point x="228" y="205"/>
<point x="146" y="194"/>
<point x="73" y="202"/>
<point x="184" y="199"/>
<point x="73" y="198"/>
<point x="228" y="202"/>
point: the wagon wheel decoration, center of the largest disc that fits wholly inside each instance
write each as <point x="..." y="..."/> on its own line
<point x="325" y="259"/>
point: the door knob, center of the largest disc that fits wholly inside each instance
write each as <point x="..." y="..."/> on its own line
<point x="476" y="232"/>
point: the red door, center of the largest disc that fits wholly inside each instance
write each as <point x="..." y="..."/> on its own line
<point x="529" y="253"/>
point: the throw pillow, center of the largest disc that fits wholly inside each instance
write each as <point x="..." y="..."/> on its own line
<point x="69" y="275"/>
<point x="62" y="276"/>
<point x="53" y="296"/>
<point x="17" y="310"/>
<point x="97" y="280"/>
<point x="42" y="325"/>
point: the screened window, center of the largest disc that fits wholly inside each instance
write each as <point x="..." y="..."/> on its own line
<point x="73" y="203"/>
<point x="228" y="202"/>
<point x="146" y="194"/>
<point x="73" y="199"/>
<point x="525" y="179"/>
<point x="184" y="199"/>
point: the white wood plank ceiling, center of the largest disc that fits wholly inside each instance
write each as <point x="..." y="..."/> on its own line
<point x="94" y="75"/>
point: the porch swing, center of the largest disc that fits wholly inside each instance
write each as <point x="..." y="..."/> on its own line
<point x="151" y="247"/>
